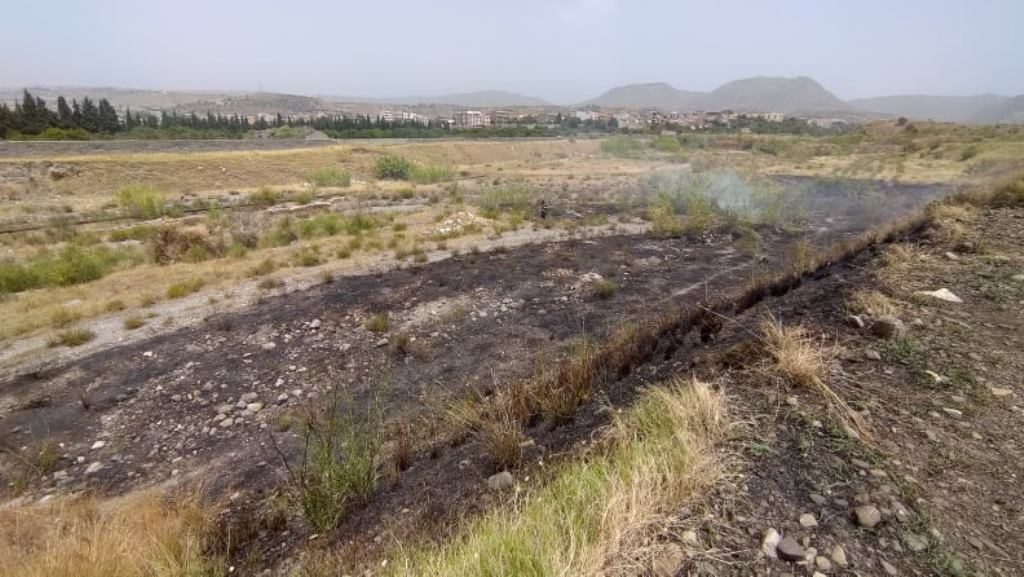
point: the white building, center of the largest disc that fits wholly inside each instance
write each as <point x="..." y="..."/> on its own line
<point x="471" y="118"/>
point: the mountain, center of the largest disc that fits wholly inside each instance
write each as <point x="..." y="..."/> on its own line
<point x="800" y="95"/>
<point x="136" y="99"/>
<point x="481" y="99"/>
<point x="925" y="107"/>
<point x="653" y="95"/>
<point x="1007" y="111"/>
<point x="257" y="103"/>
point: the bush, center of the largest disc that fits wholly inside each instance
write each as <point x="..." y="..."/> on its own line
<point x="141" y="201"/>
<point x="378" y="323"/>
<point x="134" y="322"/>
<point x="72" y="265"/>
<point x="510" y="197"/>
<point x="604" y="289"/>
<point x="667" y="144"/>
<point x="664" y="222"/>
<point x="337" y="177"/>
<point x="308" y="256"/>
<point x="71" y="338"/>
<point x="431" y="174"/>
<point x="393" y="168"/>
<point x="184" y="288"/>
<point x="621" y="146"/>
<point x="339" y="462"/>
<point x="171" y="243"/>
<point x="265" y="197"/>
<point x="968" y="153"/>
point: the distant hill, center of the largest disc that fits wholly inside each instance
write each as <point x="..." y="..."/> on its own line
<point x="1007" y="111"/>
<point x="654" y="95"/>
<point x="135" y="99"/>
<point x="939" y="108"/>
<point x="481" y="99"/>
<point x="800" y="95"/>
<point x="257" y="103"/>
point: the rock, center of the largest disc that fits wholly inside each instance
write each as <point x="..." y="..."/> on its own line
<point x="790" y="550"/>
<point x="314" y="324"/>
<point x="818" y="499"/>
<point x="1000" y="392"/>
<point x="1017" y="278"/>
<point x="248" y="398"/>
<point x="855" y="321"/>
<point x="888" y="327"/>
<point x="888" y="568"/>
<point x="942" y="294"/>
<point x="807" y="521"/>
<point x="952" y="256"/>
<point x="98" y="445"/>
<point x="254" y="407"/>
<point x="915" y="542"/>
<point x="770" y="543"/>
<point x="227" y="423"/>
<point x="667" y="562"/>
<point x="867" y="516"/>
<point x="269" y="346"/>
<point x="822" y="563"/>
<point x="94" y="467"/>
<point x="872" y="354"/>
<point x="935" y="377"/>
<point x="282" y="398"/>
<point x="500" y="481"/>
<point x="860" y="464"/>
<point x="382" y="343"/>
<point x="838" y="555"/>
<point x="956" y="414"/>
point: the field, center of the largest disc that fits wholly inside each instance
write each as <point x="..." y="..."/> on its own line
<point x="397" y="356"/>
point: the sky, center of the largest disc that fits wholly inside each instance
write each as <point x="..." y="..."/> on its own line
<point x="563" y="51"/>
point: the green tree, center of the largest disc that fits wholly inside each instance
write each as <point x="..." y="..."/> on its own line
<point x="64" y="114"/>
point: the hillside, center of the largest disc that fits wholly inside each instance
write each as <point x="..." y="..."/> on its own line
<point x="263" y="102"/>
<point x="652" y="95"/>
<point x="801" y="95"/>
<point x="480" y="99"/>
<point x="927" y="107"/>
<point x="1009" y="110"/>
<point x="119" y="97"/>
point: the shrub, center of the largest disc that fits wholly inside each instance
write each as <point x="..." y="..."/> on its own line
<point x="72" y="265"/>
<point x="968" y="153"/>
<point x="604" y="289"/>
<point x="393" y="168"/>
<point x="265" y="267"/>
<point x="339" y="463"/>
<point x="510" y="197"/>
<point x="141" y="201"/>
<point x="667" y="144"/>
<point x="281" y="235"/>
<point x="184" y="288"/>
<point x="140" y="232"/>
<point x="621" y="146"/>
<point x="664" y="222"/>
<point x="431" y="174"/>
<point x="1009" y="195"/>
<point x="336" y="177"/>
<point x="264" y="196"/>
<point x="63" y="317"/>
<point x="71" y="338"/>
<point x="308" y="256"/>
<point x="134" y="322"/>
<point x="378" y="323"/>
<point x="171" y="243"/>
<point x="305" y="197"/>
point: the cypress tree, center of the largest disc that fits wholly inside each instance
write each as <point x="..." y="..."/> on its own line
<point x="64" y="114"/>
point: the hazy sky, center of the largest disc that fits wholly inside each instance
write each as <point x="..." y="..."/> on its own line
<point x="561" y="50"/>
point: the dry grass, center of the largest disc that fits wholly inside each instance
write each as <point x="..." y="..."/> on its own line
<point x="872" y="303"/>
<point x="138" y="535"/>
<point x="600" y="515"/>
<point x="805" y="361"/>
